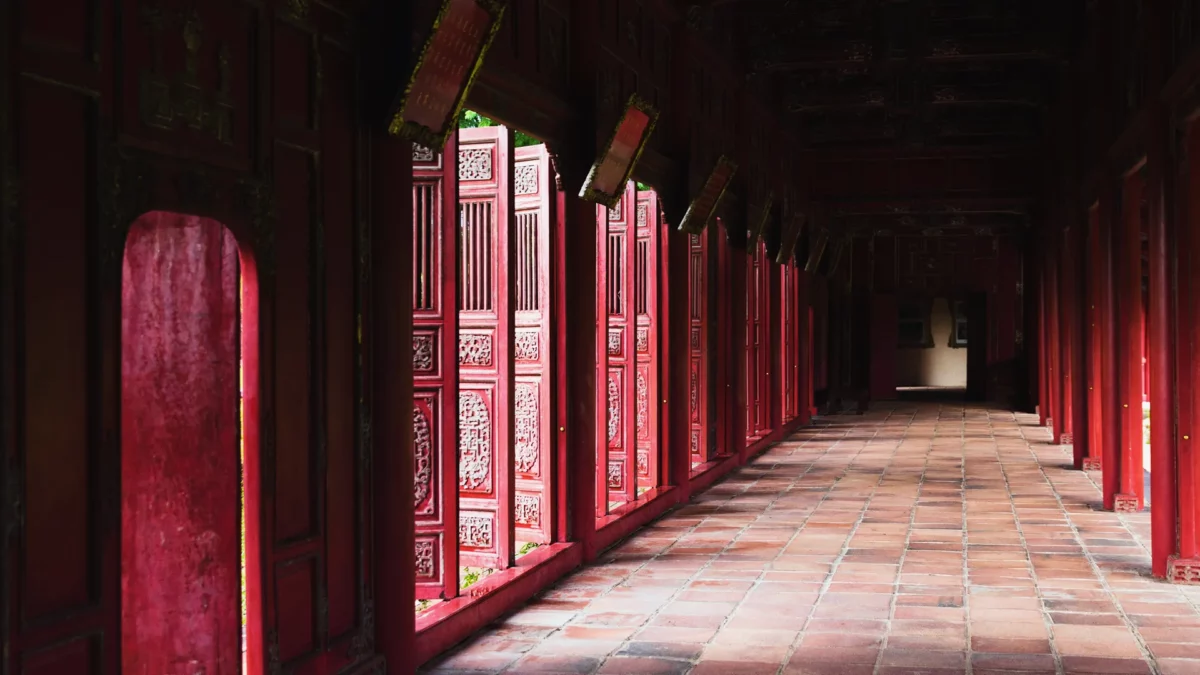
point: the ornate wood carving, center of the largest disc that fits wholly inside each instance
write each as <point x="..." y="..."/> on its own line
<point x="422" y="458"/>
<point x="474" y="442"/>
<point x="528" y="441"/>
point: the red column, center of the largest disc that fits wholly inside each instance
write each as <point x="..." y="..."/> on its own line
<point x="1092" y="461"/>
<point x="1073" y="341"/>
<point x="1066" y="336"/>
<point x="1129" y="267"/>
<point x="1187" y="567"/>
<point x="1053" y="344"/>
<point x="1161" y="361"/>
<point x="1043" y="365"/>
<point x="1110" y="405"/>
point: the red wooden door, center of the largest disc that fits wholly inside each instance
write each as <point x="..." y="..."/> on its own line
<point x="698" y="337"/>
<point x="485" y="338"/>
<point x="646" y="341"/>
<point x="617" y="250"/>
<point x="435" y="369"/>
<point x="757" y="380"/>
<point x="787" y="356"/>
<point x="533" y="194"/>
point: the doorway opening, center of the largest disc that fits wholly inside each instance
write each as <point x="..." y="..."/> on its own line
<point x="189" y="450"/>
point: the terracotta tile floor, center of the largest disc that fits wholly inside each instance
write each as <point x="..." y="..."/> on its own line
<point x="914" y="539"/>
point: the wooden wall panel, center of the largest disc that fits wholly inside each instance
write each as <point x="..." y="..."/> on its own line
<point x="341" y="527"/>
<point x="295" y="505"/>
<point x="57" y="146"/>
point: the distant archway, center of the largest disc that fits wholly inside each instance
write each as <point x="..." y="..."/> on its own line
<point x="188" y="445"/>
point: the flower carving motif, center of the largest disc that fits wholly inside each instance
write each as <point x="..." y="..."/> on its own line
<point x="614" y="343"/>
<point x="614" y="408"/>
<point x="422" y="457"/>
<point x="643" y="215"/>
<point x="474" y="349"/>
<point x="525" y="181"/>
<point x="475" y="531"/>
<point x="426" y="565"/>
<point x="526" y="422"/>
<point x="643" y="462"/>
<point x="643" y="340"/>
<point x="695" y="442"/>
<point x="528" y="511"/>
<point x="475" y="164"/>
<point x="474" y="442"/>
<point x="694" y="396"/>
<point x="615" y="212"/>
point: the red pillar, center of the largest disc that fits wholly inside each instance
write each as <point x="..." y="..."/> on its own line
<point x="1187" y="566"/>
<point x="1066" y="336"/>
<point x="1043" y="362"/>
<point x="1073" y="245"/>
<point x="1161" y="361"/>
<point x="1129" y="267"/>
<point x="1053" y="343"/>
<point x="1110" y="404"/>
<point x="1093" y="462"/>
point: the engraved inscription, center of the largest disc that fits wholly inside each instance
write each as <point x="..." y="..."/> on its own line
<point x="474" y="442"/>
<point x="526" y="423"/>
<point x="475" y="531"/>
<point x="426" y="565"/>
<point x="422" y="457"/>
<point x="614" y="408"/>
<point x="474" y="349"/>
<point x="422" y="346"/>
<point x="528" y="511"/>
<point x="527" y="345"/>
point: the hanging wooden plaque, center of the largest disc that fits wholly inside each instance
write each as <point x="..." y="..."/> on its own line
<point x="704" y="205"/>
<point x="445" y="70"/>
<point x="763" y="217"/>
<point x="605" y="183"/>
<point x="814" y="256"/>
<point x="791" y="234"/>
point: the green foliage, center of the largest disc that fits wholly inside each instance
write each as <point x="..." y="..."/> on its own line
<point x="473" y="575"/>
<point x="473" y="120"/>
<point x="529" y="546"/>
<point x="643" y="186"/>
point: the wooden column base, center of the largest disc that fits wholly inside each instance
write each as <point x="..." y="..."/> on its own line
<point x="1184" y="571"/>
<point x="1092" y="464"/>
<point x="1125" y="504"/>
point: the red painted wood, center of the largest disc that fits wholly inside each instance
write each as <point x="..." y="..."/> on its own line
<point x="1110" y="400"/>
<point x="534" y="198"/>
<point x="1094" y="334"/>
<point x="1066" y="334"/>
<point x="485" y="347"/>
<point x="789" y="348"/>
<point x="435" y="369"/>
<point x="757" y="372"/>
<point x="700" y="431"/>
<point x="648" y="307"/>
<point x="1188" y="336"/>
<point x="1160" y="361"/>
<point x="1053" y="343"/>
<point x="1130" y="338"/>
<point x="1073" y="266"/>
<point x="389" y="329"/>
<point x="180" y="447"/>
<point x="1043" y="371"/>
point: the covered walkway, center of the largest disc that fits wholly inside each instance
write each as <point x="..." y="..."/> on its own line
<point x="918" y="538"/>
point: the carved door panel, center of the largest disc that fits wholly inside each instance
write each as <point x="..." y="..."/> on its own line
<point x="646" y="340"/>
<point x="698" y="336"/>
<point x="485" y="337"/>
<point x="757" y="378"/>
<point x="435" y="370"/>
<point x="617" y="247"/>
<point x="787" y="360"/>
<point x="533" y="190"/>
